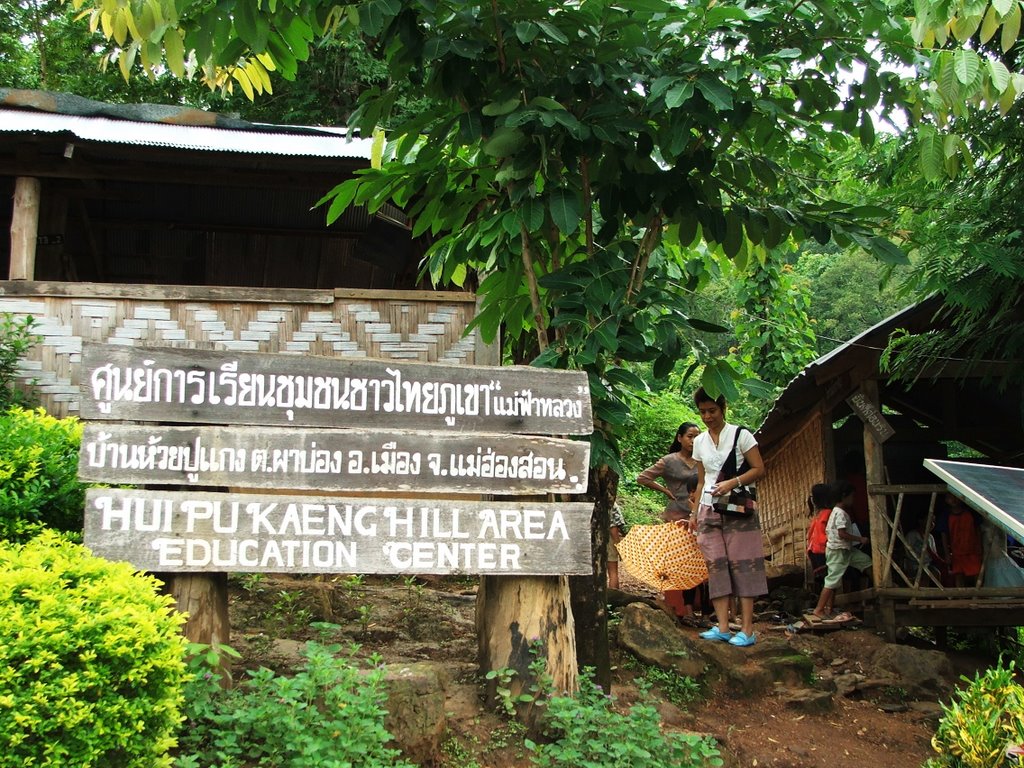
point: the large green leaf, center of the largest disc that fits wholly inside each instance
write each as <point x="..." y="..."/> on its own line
<point x="966" y="65"/>
<point x="552" y="32"/>
<point x="341" y="197"/>
<point x="888" y="252"/>
<point x="565" y="210"/>
<point x="1011" y="28"/>
<point x="719" y="378"/>
<point x="504" y="142"/>
<point x="500" y="107"/>
<point x="930" y="150"/>
<point x="999" y="75"/>
<point x="678" y="95"/>
<point x="623" y="377"/>
<point x="715" y="91"/>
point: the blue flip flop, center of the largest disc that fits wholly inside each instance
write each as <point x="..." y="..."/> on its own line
<point x="716" y="634"/>
<point x="742" y="639"/>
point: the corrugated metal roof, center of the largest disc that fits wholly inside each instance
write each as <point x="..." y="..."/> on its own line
<point x="264" y="140"/>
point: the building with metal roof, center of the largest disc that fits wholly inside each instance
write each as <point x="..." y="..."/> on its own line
<point x="153" y="194"/>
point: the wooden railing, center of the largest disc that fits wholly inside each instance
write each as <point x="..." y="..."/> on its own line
<point x="883" y="543"/>
<point x="398" y="325"/>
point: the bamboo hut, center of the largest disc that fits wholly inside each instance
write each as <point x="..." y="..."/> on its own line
<point x="842" y="419"/>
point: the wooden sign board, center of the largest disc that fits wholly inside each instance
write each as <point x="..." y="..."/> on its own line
<point x="218" y="387"/>
<point x="173" y="531"/>
<point x="332" y="460"/>
<point x="871" y="416"/>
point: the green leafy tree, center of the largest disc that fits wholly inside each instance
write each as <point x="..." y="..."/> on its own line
<point x="43" y="46"/>
<point x="966" y="237"/>
<point x="326" y="91"/>
<point x="848" y="294"/>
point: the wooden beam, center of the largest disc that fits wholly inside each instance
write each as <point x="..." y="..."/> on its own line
<point x="224" y="293"/>
<point x="884" y="489"/>
<point x="953" y="592"/>
<point x="992" y="615"/>
<point x="186" y="170"/>
<point x="875" y="470"/>
<point x="25" y="227"/>
<point x="172" y="292"/>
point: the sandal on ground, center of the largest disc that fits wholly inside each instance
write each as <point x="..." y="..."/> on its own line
<point x="716" y="634"/>
<point x="844" y="617"/>
<point x="742" y="639"/>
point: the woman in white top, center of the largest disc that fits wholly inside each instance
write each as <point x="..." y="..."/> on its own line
<point x="732" y="545"/>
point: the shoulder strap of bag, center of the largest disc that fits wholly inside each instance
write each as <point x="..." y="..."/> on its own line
<point x="729" y="467"/>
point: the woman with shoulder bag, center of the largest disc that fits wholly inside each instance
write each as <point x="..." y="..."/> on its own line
<point x="728" y="530"/>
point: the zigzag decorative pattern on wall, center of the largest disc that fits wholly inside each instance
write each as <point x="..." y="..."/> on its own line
<point x="387" y="329"/>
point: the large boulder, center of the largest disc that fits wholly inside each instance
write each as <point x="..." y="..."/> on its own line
<point x="652" y="636"/>
<point x="922" y="674"/>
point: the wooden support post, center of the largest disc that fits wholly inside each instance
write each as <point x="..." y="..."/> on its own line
<point x="24" y="228"/>
<point x="204" y="598"/>
<point x="874" y="467"/>
<point x="887" y="619"/>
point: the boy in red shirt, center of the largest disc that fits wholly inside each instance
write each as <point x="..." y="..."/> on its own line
<point x="820" y="504"/>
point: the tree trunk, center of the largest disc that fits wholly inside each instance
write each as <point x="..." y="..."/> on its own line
<point x="589" y="593"/>
<point x="516" y="613"/>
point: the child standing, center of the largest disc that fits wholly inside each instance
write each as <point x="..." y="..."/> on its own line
<point x="964" y="543"/>
<point x="840" y="552"/>
<point x="617" y="529"/>
<point x="820" y="504"/>
<point x="921" y="552"/>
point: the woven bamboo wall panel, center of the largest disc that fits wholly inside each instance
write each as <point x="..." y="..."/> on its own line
<point x="384" y="328"/>
<point x="790" y="471"/>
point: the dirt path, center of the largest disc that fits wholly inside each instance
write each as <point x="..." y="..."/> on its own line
<point x="407" y="620"/>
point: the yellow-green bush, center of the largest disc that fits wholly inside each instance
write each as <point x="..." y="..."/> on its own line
<point x="981" y="721"/>
<point x="91" y="660"/>
<point x="39" y="484"/>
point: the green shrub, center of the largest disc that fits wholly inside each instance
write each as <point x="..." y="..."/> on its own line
<point x="980" y="722"/>
<point x="16" y="339"/>
<point x="328" y="715"/>
<point x="586" y="731"/>
<point x="39" y="484"/>
<point x="91" y="660"/>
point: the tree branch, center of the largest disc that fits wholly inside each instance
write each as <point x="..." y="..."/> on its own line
<point x="643" y="256"/>
<point x="588" y="213"/>
<point x="531" y="282"/>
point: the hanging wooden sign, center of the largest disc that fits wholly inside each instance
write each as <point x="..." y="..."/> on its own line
<point x="871" y="416"/>
<point x="218" y="387"/>
<point x="173" y="531"/>
<point x="333" y="459"/>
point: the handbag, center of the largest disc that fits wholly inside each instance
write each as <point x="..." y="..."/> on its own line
<point x="742" y="500"/>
